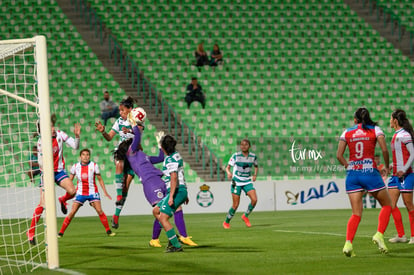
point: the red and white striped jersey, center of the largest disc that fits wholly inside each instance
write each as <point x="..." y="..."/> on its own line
<point x="86" y="178"/>
<point x="361" y="143"/>
<point x="400" y="154"/>
<point x="57" y="148"/>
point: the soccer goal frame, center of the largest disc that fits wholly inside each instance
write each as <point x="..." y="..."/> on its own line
<point x="10" y="48"/>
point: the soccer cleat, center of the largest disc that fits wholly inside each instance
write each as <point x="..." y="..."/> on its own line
<point x="397" y="239"/>
<point x="155" y="243"/>
<point x="31" y="239"/>
<point x="378" y="239"/>
<point x="172" y="248"/>
<point x="348" y="249"/>
<point x="110" y="233"/>
<point x="114" y="225"/>
<point x="60" y="235"/>
<point x="246" y="220"/>
<point x="187" y="241"/>
<point x="226" y="225"/>
<point x="411" y="240"/>
<point x="63" y="206"/>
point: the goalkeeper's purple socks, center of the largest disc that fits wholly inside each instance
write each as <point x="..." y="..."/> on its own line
<point x="156" y="230"/>
<point x="179" y="223"/>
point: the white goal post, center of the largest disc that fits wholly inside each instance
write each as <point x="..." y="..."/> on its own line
<point x="16" y="73"/>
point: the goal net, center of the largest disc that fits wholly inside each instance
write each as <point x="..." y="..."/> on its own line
<point x="24" y="101"/>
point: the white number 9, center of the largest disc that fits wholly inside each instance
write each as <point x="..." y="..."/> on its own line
<point x="359" y="149"/>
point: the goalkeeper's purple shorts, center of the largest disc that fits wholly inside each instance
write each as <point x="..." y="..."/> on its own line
<point x="154" y="190"/>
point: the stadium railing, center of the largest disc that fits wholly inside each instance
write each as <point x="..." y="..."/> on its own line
<point x="393" y="13"/>
<point x="148" y="92"/>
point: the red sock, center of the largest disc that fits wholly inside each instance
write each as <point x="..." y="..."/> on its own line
<point x="104" y="221"/>
<point x="352" y="227"/>
<point x="115" y="218"/>
<point x="66" y="197"/>
<point x="396" y="214"/>
<point x="65" y="224"/>
<point x="384" y="218"/>
<point x="411" y="216"/>
<point x="36" y="217"/>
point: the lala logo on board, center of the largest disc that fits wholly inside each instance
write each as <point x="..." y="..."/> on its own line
<point x="312" y="193"/>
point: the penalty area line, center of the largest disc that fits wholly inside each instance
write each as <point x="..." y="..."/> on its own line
<point x="44" y="266"/>
<point x="317" y="233"/>
<point x="310" y="233"/>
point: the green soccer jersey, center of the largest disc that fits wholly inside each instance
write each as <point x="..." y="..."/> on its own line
<point x="117" y="127"/>
<point x="173" y="163"/>
<point x="242" y="167"/>
<point x="35" y="159"/>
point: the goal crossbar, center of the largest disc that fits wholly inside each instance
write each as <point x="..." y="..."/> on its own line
<point x="8" y="49"/>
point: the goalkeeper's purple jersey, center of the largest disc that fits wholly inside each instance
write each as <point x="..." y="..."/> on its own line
<point x="140" y="162"/>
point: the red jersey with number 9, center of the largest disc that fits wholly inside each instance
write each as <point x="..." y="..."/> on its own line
<point x="361" y="143"/>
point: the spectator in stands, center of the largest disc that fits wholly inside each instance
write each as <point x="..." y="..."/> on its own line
<point x="34" y="165"/>
<point x="195" y="93"/>
<point x="216" y="58"/>
<point x="108" y="108"/>
<point x="201" y="55"/>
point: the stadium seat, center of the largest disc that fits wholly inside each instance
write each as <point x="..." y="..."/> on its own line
<point x="310" y="42"/>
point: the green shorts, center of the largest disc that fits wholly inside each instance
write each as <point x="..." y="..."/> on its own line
<point x="237" y="189"/>
<point x="131" y="172"/>
<point x="179" y="198"/>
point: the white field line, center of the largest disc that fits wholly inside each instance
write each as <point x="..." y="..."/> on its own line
<point x="62" y="270"/>
<point x="318" y="233"/>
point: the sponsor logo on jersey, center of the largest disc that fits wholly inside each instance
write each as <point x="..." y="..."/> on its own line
<point x="84" y="176"/>
<point x="358" y="133"/>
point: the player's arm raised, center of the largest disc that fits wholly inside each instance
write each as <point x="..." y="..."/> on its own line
<point x="101" y="128"/>
<point x="74" y="142"/>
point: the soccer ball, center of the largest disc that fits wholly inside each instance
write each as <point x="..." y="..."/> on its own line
<point x="138" y="115"/>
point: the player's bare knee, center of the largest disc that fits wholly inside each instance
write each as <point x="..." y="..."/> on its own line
<point x="163" y="218"/>
<point x="156" y="212"/>
<point x="254" y="201"/>
<point x="409" y="205"/>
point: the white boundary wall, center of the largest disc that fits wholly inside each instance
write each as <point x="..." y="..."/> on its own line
<point x="272" y="196"/>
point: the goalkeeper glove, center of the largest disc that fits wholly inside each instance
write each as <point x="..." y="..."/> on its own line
<point x="158" y="137"/>
<point x="131" y="120"/>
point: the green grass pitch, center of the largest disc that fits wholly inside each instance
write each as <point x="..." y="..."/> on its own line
<point x="295" y="242"/>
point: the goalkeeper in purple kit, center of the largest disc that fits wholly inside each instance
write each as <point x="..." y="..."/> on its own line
<point x="154" y="187"/>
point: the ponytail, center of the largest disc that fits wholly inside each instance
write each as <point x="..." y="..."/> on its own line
<point x="403" y="121"/>
<point x="362" y="116"/>
<point x="127" y="102"/>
